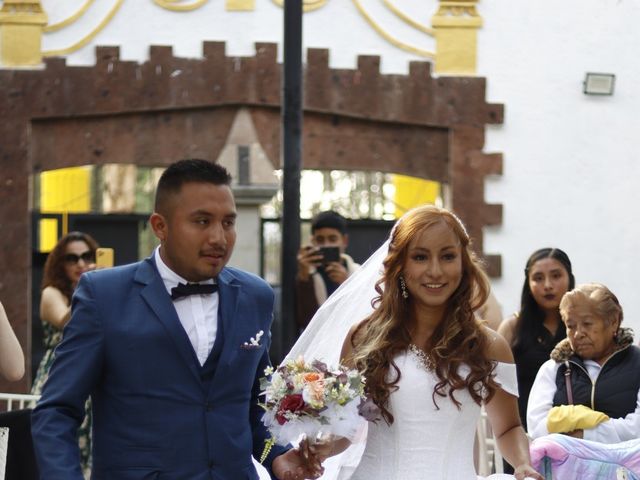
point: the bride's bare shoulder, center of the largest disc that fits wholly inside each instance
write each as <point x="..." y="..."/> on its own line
<point x="346" y="354"/>
<point x="497" y="347"/>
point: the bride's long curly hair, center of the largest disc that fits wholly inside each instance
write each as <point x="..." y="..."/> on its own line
<point x="457" y="341"/>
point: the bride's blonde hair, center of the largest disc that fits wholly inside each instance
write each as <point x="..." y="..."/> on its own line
<point x="457" y="341"/>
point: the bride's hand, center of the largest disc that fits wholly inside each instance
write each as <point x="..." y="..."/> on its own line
<point x="326" y="447"/>
<point x="526" y="471"/>
<point x="319" y="449"/>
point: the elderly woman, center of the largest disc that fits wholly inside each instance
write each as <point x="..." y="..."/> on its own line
<point x="590" y="388"/>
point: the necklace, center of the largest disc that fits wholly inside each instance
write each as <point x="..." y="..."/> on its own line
<point x="425" y="359"/>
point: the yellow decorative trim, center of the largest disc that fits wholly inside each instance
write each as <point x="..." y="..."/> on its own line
<point x="457" y="13"/>
<point x="307" y="5"/>
<point x="395" y="42"/>
<point x="240" y="5"/>
<point x="407" y="19"/>
<point x="60" y="25"/>
<point x="176" y="6"/>
<point x="87" y="38"/>
<point x="456" y="24"/>
<point x="21" y="23"/>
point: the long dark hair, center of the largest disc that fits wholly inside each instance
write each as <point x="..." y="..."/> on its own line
<point x="530" y="327"/>
<point x="55" y="274"/>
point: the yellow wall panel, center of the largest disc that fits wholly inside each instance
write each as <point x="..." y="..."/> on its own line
<point x="66" y="190"/>
<point x="48" y="234"/>
<point x="412" y="191"/>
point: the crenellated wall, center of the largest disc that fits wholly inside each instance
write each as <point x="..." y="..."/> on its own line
<point x="170" y="108"/>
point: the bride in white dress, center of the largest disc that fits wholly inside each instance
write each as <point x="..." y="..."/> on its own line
<point x="428" y="363"/>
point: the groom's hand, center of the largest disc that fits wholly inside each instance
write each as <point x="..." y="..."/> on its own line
<point x="297" y="464"/>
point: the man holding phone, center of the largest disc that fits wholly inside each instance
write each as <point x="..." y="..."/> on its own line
<point x="322" y="266"/>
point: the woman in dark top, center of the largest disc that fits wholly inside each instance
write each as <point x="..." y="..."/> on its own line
<point x="536" y="329"/>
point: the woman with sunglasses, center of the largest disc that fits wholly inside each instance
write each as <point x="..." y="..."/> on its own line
<point x="74" y="254"/>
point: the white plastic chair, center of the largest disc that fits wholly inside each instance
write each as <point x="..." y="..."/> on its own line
<point x="17" y="401"/>
<point x="489" y="459"/>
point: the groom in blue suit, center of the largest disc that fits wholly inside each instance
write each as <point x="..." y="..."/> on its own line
<point x="170" y="350"/>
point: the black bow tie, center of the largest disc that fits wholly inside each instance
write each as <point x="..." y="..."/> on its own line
<point x="184" y="290"/>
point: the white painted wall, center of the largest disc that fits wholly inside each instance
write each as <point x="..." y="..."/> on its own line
<point x="569" y="159"/>
<point x="245" y="254"/>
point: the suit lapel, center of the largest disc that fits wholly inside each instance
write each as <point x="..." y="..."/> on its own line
<point x="229" y="295"/>
<point x="156" y="297"/>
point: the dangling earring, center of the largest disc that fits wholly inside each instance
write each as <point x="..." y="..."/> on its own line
<point x="403" y="288"/>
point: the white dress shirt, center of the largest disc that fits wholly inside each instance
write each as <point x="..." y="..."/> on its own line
<point x="198" y="314"/>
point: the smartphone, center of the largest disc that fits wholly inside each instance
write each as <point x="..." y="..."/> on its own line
<point x="104" y="257"/>
<point x="330" y="254"/>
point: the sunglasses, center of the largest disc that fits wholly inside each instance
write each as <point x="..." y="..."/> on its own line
<point x="86" y="257"/>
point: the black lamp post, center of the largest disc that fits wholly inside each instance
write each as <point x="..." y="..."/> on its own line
<point x="292" y="161"/>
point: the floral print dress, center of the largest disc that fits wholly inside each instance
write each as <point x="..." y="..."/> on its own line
<point x="52" y="337"/>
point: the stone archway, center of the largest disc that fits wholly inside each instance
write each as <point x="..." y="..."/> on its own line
<point x="169" y="108"/>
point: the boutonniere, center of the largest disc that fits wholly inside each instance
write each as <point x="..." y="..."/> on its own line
<point x="254" y="342"/>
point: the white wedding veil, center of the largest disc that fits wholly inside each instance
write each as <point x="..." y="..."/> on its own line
<point x="348" y="305"/>
<point x="325" y="334"/>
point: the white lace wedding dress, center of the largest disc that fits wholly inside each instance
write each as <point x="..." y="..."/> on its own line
<point x="425" y="443"/>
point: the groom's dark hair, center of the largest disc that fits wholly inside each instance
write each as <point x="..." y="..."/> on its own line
<point x="191" y="170"/>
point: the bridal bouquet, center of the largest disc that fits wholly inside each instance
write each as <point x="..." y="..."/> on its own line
<point x="311" y="400"/>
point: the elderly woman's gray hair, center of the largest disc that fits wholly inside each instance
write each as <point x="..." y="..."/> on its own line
<point x="601" y="301"/>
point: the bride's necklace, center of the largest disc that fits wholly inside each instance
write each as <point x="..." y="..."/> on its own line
<point x="425" y="360"/>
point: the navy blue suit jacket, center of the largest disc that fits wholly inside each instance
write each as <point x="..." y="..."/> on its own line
<point x="152" y="416"/>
